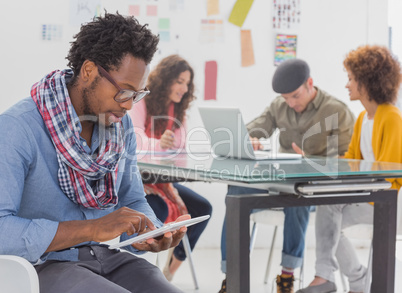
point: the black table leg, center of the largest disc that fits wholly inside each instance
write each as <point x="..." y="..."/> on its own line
<point x="238" y="241"/>
<point x="384" y="239"/>
<point x="238" y="209"/>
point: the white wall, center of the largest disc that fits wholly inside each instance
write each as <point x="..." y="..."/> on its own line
<point x="328" y="30"/>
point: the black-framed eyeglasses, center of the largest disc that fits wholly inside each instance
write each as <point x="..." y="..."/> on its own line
<point x="124" y="95"/>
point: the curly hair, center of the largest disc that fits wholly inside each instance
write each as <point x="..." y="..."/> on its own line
<point x="160" y="81"/>
<point x="377" y="70"/>
<point x="108" y="39"/>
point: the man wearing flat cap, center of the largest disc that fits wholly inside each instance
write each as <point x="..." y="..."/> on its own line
<point x="311" y="122"/>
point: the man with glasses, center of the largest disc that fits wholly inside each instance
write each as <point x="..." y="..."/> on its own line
<point x="68" y="171"/>
<point x="309" y="118"/>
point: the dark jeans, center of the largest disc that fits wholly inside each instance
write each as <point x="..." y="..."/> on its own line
<point x="196" y="206"/>
<point x="294" y="231"/>
<point x="102" y="270"/>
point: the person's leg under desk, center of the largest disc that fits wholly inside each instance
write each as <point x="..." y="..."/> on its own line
<point x="294" y="233"/>
<point x="233" y="190"/>
<point x="333" y="248"/>
<point x="348" y="261"/>
<point x="197" y="206"/>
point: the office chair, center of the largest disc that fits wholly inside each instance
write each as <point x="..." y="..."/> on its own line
<point x="273" y="217"/>
<point x="17" y="275"/>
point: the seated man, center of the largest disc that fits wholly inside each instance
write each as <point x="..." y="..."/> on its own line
<point x="307" y="117"/>
<point x="68" y="171"/>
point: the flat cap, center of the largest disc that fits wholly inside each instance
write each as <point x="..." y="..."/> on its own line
<point x="290" y="75"/>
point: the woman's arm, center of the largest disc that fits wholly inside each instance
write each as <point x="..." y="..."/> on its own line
<point x="138" y="115"/>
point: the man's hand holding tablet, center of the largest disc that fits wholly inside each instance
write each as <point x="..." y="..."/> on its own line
<point x="169" y="239"/>
<point x="172" y="233"/>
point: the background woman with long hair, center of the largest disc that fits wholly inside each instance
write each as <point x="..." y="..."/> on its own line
<point x="160" y="124"/>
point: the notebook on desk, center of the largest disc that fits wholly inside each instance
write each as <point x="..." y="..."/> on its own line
<point x="229" y="136"/>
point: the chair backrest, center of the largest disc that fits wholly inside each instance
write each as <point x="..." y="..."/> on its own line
<point x="17" y="275"/>
<point x="275" y="217"/>
<point x="365" y="231"/>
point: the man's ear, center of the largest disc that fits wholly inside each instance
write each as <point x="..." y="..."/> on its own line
<point x="310" y="82"/>
<point x="88" y="71"/>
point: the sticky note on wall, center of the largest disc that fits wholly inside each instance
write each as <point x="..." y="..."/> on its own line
<point x="247" y="51"/>
<point x="134" y="10"/>
<point x="240" y="11"/>
<point x="152" y="10"/>
<point x="212" y="7"/>
<point x="164" y="23"/>
<point x="211" y="76"/>
<point x="164" y="36"/>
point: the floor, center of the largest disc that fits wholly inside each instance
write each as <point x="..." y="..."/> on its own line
<point x="209" y="275"/>
<point x="207" y="262"/>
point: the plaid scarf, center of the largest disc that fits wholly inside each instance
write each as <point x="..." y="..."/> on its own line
<point x="76" y="167"/>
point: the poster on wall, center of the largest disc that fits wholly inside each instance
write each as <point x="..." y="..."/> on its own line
<point x="176" y="5"/>
<point x="247" y="51"/>
<point x="286" y="14"/>
<point x="212" y="7"/>
<point x="285" y="48"/>
<point x="52" y="32"/>
<point x="240" y="11"/>
<point x="211" y="31"/>
<point x="211" y="76"/>
<point x="158" y="16"/>
<point x="82" y="11"/>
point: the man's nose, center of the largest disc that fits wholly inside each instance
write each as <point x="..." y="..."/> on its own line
<point x="127" y="105"/>
<point x="291" y="104"/>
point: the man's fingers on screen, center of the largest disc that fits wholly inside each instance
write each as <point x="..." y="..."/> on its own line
<point x="149" y="224"/>
<point x="130" y="229"/>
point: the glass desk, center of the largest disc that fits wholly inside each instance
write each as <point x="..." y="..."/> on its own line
<point x="304" y="182"/>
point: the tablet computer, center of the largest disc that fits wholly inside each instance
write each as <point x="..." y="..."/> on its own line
<point x="160" y="231"/>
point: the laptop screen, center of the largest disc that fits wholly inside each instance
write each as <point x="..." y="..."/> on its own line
<point x="229" y="135"/>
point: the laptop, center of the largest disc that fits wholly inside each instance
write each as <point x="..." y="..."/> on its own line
<point x="229" y="136"/>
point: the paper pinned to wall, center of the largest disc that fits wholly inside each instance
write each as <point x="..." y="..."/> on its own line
<point x="240" y="11"/>
<point x="285" y="48"/>
<point x="164" y="36"/>
<point x="82" y="11"/>
<point x="164" y="27"/>
<point x="152" y="10"/>
<point x="286" y="14"/>
<point x="247" y="51"/>
<point x="211" y="31"/>
<point x="134" y="10"/>
<point x="164" y="23"/>
<point x="212" y="7"/>
<point x="211" y="76"/>
<point x="176" y="5"/>
<point x="52" y="32"/>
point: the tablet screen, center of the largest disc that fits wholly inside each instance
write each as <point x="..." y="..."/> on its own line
<point x="160" y="231"/>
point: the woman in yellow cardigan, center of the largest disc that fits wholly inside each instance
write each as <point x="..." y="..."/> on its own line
<point x="374" y="79"/>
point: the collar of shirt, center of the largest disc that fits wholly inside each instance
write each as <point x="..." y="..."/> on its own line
<point x="317" y="100"/>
